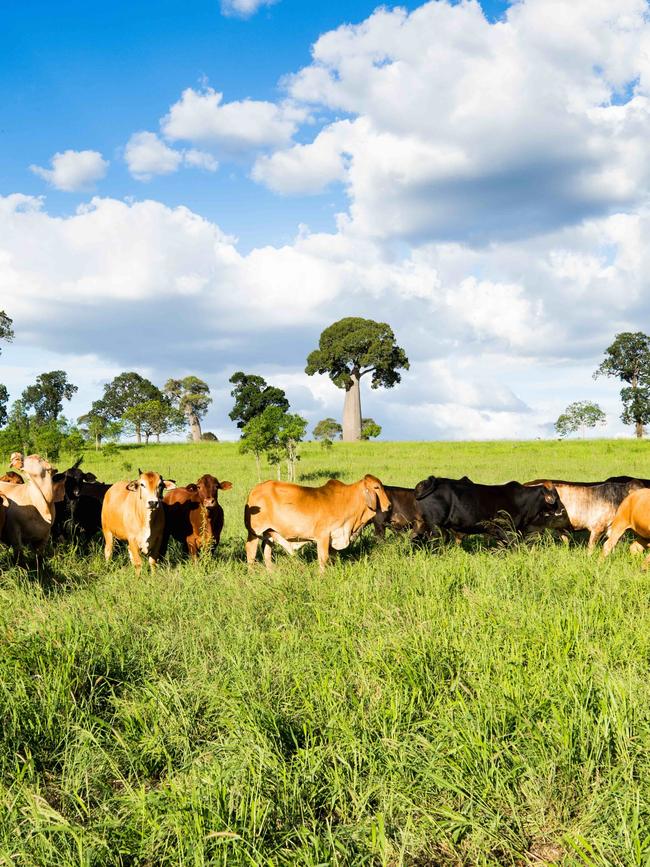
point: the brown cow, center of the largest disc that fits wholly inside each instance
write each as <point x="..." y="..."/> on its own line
<point x="13" y="478"/>
<point x="404" y="513"/>
<point x="133" y="513"/>
<point x="193" y="514"/>
<point x="292" y="515"/>
<point x="632" y="514"/>
<point x="31" y="507"/>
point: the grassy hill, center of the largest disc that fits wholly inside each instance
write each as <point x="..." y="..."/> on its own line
<point x="472" y="706"/>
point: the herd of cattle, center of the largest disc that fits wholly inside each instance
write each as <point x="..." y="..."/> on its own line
<point x="149" y="511"/>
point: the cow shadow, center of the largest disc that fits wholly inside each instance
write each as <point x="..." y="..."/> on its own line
<point x="318" y="475"/>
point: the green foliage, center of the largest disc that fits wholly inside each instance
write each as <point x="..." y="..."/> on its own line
<point x="370" y="429"/>
<point x="153" y="417"/>
<point x="191" y="397"/>
<point x="275" y="433"/>
<point x="6" y="327"/>
<point x="578" y="416"/>
<point x="4" y="400"/>
<point x="98" y="425"/>
<point x="124" y="392"/>
<point x="326" y="430"/>
<point x="358" y="345"/>
<point x="252" y="396"/>
<point x="209" y="436"/>
<point x="468" y="707"/>
<point x="47" y="395"/>
<point x="628" y="359"/>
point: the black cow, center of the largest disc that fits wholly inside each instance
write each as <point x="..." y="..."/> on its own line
<point x="86" y="498"/>
<point x="403" y="515"/>
<point x="464" y="507"/>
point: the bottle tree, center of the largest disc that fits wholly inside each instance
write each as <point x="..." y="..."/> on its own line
<point x="191" y="396"/>
<point x="628" y="359"/>
<point x="350" y="349"/>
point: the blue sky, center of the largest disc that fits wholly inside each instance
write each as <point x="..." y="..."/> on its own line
<point x="477" y="175"/>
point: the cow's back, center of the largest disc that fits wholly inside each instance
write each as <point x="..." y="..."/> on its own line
<point x="119" y="511"/>
<point x="296" y="510"/>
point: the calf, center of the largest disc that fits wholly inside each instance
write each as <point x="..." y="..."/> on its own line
<point x="464" y="507"/>
<point x="193" y="514"/>
<point x="403" y="514"/>
<point x="133" y="512"/>
<point x="590" y="506"/>
<point x="632" y="514"/>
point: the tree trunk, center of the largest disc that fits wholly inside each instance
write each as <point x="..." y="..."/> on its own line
<point x="352" y="410"/>
<point x="157" y="437"/>
<point x="146" y="439"/>
<point x="138" y="433"/>
<point x="638" y="428"/>
<point x="98" y="441"/>
<point x="195" y="426"/>
<point x="259" y="471"/>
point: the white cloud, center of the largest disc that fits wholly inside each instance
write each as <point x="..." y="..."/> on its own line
<point x="147" y="155"/>
<point x="200" y="160"/>
<point x="241" y="126"/>
<point x="244" y="8"/>
<point x="73" y="171"/>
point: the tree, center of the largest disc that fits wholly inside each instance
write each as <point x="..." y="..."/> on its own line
<point x="628" y="359"/>
<point x="291" y="431"/>
<point x="6" y="327"/>
<point x="126" y="391"/>
<point x="275" y="433"/>
<point x="4" y="400"/>
<point x="99" y="425"/>
<point x="47" y="395"/>
<point x="326" y="431"/>
<point x="252" y="396"/>
<point x="347" y="351"/>
<point x="154" y="417"/>
<point x="369" y="429"/>
<point x="191" y="396"/>
<point x="260" y="435"/>
<point x="579" y="416"/>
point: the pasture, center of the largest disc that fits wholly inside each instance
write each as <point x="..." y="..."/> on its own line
<point x="474" y="706"/>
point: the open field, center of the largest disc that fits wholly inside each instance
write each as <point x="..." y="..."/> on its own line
<point x="470" y="707"/>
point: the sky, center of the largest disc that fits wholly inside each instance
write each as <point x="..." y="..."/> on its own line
<point x="201" y="188"/>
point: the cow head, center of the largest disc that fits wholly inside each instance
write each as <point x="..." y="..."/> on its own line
<point x="424" y="488"/>
<point x="552" y="512"/>
<point x="150" y="488"/>
<point x="13" y="478"/>
<point x="208" y="488"/>
<point x="375" y="495"/>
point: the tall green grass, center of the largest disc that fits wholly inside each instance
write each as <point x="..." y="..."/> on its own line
<point x="468" y="706"/>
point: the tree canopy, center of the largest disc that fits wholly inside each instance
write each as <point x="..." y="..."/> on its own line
<point x="275" y="433"/>
<point x="370" y="429"/>
<point x="191" y="397"/>
<point x="6" y="327"/>
<point x="46" y="396"/>
<point x="579" y="416"/>
<point x="628" y="359"/>
<point x="327" y="429"/>
<point x="252" y="396"/>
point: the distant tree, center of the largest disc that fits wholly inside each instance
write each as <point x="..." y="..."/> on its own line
<point x="260" y="436"/>
<point x="327" y="430"/>
<point x="252" y="396"/>
<point x="370" y="429"/>
<point x="153" y="418"/>
<point x="192" y="397"/>
<point x="579" y="416"/>
<point x="47" y="395"/>
<point x="348" y="350"/>
<point x="6" y="327"/>
<point x="4" y="400"/>
<point x="126" y="391"/>
<point x="628" y="359"/>
<point x="16" y="436"/>
<point x="98" y="424"/>
<point x="291" y="431"/>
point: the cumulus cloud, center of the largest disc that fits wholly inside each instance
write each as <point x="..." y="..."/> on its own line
<point x="462" y="129"/>
<point x="244" y="8"/>
<point x="73" y="171"/>
<point x="147" y="155"/>
<point x="201" y="116"/>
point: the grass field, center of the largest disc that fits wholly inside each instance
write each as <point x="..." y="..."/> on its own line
<point x="468" y="707"/>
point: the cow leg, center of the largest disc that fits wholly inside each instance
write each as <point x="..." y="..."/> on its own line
<point x="192" y="547"/>
<point x="638" y="546"/>
<point x="153" y="563"/>
<point x="615" y="532"/>
<point x="594" y="536"/>
<point x="134" y="555"/>
<point x="323" y="550"/>
<point x="108" y="545"/>
<point x="251" y="549"/>
<point x="267" y="552"/>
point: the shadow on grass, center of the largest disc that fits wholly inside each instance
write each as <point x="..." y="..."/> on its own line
<point x="319" y="475"/>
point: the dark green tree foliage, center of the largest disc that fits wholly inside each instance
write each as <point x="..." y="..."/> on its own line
<point x="6" y="327"/>
<point x="4" y="400"/>
<point x="579" y="416"/>
<point x="370" y="429"/>
<point x="191" y="396"/>
<point x="628" y="359"/>
<point x="127" y="390"/>
<point x="349" y="350"/>
<point x="153" y="418"/>
<point x="47" y="395"/>
<point x="252" y="396"/>
<point x="275" y="433"/>
<point x="98" y="424"/>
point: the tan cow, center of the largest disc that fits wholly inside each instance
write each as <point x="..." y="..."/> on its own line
<point x="292" y="515"/>
<point x="30" y="509"/>
<point x="632" y="514"/>
<point x="133" y="512"/>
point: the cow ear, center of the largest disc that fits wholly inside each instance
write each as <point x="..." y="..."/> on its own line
<point x="139" y="471"/>
<point x="90" y="477"/>
<point x="425" y="487"/>
<point x="132" y="486"/>
<point x="169" y="484"/>
<point x="225" y="486"/>
<point x="192" y="488"/>
<point x="549" y="496"/>
<point x="370" y="498"/>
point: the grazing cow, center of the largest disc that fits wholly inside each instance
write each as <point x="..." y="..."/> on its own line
<point x="292" y="515"/>
<point x="193" y="514"/>
<point x="31" y="507"/>
<point x="13" y="478"/>
<point x="133" y="512"/>
<point x="464" y="507"/>
<point x="632" y="514"/>
<point x="590" y="506"/>
<point x="404" y="513"/>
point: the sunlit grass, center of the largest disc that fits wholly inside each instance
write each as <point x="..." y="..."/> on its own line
<point x="473" y="706"/>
